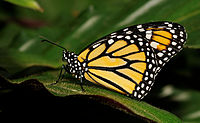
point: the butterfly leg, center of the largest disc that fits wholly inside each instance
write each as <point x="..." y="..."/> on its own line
<point x="81" y="82"/>
<point x="66" y="70"/>
<point x="60" y="77"/>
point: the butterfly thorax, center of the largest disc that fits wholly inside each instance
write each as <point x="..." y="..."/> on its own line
<point x="73" y="65"/>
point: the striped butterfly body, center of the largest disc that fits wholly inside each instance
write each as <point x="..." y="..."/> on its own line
<point x="128" y="60"/>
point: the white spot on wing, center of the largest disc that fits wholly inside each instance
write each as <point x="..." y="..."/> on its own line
<point x="154" y="44"/>
<point x="148" y="36"/>
<point x="172" y="31"/>
<point x="128" y="37"/>
<point x="147" y="88"/>
<point x="142" y="85"/>
<point x="141" y="29"/>
<point x="181" y="32"/>
<point x="140" y="39"/>
<point x="150" y="82"/>
<point x="140" y="43"/>
<point x="139" y="26"/>
<point x="113" y="33"/>
<point x="166" y="23"/>
<point x="95" y="45"/>
<point x="179" y="47"/>
<point x="160" y="54"/>
<point x="182" y="40"/>
<point x="110" y="41"/>
<point x="142" y="92"/>
<point x="125" y="29"/>
<point x="150" y="66"/>
<point x="169" y="49"/>
<point x="135" y="93"/>
<point x="135" y="36"/>
<point x="174" y="43"/>
<point x="175" y="36"/>
<point x="120" y="36"/>
<point x="146" y="78"/>
<point x="129" y="32"/>
<point x="170" y="25"/>
<point x="132" y="41"/>
<point x="160" y="61"/>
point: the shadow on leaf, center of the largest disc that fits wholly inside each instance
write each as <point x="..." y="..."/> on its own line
<point x="31" y="97"/>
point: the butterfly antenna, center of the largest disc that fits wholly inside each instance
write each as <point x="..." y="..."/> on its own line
<point x="45" y="39"/>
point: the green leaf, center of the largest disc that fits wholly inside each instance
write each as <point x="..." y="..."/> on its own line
<point x="70" y="86"/>
<point x="32" y="4"/>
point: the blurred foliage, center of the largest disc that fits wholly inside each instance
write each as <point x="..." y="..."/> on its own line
<point x="27" y="3"/>
<point x="25" y="62"/>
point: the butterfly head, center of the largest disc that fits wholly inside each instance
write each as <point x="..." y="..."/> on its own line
<point x="74" y="66"/>
<point x="69" y="57"/>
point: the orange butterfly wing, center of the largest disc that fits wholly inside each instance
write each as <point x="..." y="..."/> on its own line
<point x="128" y="60"/>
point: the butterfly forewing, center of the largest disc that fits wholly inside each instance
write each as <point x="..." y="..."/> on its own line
<point x="128" y="60"/>
<point x="166" y="39"/>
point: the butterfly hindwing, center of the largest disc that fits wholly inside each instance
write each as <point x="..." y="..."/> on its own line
<point x="128" y="60"/>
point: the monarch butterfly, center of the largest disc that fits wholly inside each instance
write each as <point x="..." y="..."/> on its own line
<point x="127" y="60"/>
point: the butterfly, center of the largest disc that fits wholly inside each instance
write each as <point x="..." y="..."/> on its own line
<point x="128" y="60"/>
